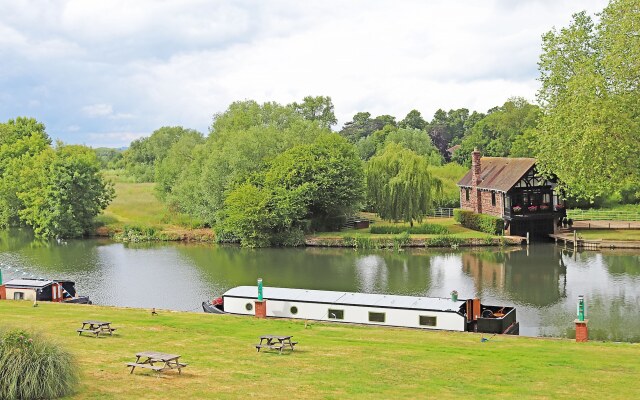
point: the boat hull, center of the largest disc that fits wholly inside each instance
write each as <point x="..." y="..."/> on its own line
<point x="210" y="308"/>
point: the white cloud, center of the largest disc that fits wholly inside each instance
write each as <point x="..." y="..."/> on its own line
<point x="175" y="62"/>
<point x="98" y="110"/>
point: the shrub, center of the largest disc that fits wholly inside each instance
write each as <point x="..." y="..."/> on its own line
<point x="418" y="229"/>
<point x="443" y="241"/>
<point x="479" y="222"/>
<point x="135" y="233"/>
<point x="32" y="368"/>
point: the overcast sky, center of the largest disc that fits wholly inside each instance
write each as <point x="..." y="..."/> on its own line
<point x="103" y="73"/>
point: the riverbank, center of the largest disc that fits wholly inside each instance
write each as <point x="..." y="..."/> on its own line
<point x="330" y="360"/>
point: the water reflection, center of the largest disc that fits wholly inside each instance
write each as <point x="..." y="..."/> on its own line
<point x="543" y="282"/>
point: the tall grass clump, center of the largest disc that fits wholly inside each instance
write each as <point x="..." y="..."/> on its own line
<point x="33" y="368"/>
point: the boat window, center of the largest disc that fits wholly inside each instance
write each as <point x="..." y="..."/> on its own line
<point x="249" y="306"/>
<point x="335" y="314"/>
<point x="18" y="295"/>
<point x="376" y="317"/>
<point x="427" y="320"/>
<point x="294" y="310"/>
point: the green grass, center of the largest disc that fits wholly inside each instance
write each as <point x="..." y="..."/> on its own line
<point x="610" y="234"/>
<point x="331" y="361"/>
<point x="455" y="230"/>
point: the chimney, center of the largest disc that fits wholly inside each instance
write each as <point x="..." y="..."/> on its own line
<point x="475" y="167"/>
<point x="475" y="181"/>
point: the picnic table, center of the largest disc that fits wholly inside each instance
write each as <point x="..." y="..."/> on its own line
<point x="157" y="361"/>
<point x="96" y="327"/>
<point x="275" y="342"/>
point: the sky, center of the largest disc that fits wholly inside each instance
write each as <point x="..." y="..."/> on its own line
<point x="106" y="72"/>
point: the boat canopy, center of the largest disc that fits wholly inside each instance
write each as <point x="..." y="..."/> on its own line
<point x="28" y="283"/>
<point x="348" y="298"/>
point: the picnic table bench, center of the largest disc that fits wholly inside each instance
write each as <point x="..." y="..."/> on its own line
<point x="275" y="342"/>
<point x="147" y="359"/>
<point x="96" y="328"/>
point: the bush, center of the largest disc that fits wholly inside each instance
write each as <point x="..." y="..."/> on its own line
<point x="479" y="222"/>
<point x="134" y="233"/>
<point x="443" y="241"/>
<point x="32" y="368"/>
<point x="418" y="229"/>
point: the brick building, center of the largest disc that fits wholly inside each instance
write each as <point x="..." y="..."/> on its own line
<point x="511" y="189"/>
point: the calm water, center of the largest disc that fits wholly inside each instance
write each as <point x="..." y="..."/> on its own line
<point x="542" y="282"/>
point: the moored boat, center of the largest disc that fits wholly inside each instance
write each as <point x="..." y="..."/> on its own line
<point x="62" y="291"/>
<point x="373" y="309"/>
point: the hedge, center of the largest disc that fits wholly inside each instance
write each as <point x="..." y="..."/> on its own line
<point x="479" y="222"/>
<point x="418" y="229"/>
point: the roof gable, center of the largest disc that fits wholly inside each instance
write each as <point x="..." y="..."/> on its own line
<point x="499" y="173"/>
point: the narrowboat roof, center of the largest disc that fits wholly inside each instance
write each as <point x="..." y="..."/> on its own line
<point x="348" y="298"/>
<point x="28" y="283"/>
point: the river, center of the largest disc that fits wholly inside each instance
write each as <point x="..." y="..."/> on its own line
<point x="543" y="282"/>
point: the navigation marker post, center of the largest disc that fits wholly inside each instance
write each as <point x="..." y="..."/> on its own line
<point x="582" y="333"/>
<point x="261" y="304"/>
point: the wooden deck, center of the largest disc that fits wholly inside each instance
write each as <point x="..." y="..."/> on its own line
<point x="572" y="240"/>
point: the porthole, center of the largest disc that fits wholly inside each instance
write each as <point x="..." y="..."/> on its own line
<point x="249" y="306"/>
<point x="294" y="310"/>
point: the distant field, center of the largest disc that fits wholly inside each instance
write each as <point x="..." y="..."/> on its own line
<point x="136" y="204"/>
<point x="331" y="360"/>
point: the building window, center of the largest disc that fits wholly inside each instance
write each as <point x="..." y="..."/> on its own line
<point x="376" y="316"/>
<point x="18" y="295"/>
<point x="335" y="314"/>
<point x="426" y="320"/>
<point x="294" y="310"/>
<point x="249" y="306"/>
<point x="466" y="194"/>
<point x="493" y="199"/>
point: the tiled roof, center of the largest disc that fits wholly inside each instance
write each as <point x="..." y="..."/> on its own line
<point x="499" y="173"/>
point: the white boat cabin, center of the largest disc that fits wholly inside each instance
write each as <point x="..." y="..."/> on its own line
<point x="361" y="308"/>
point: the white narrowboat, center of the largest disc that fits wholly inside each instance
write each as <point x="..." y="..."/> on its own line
<point x="371" y="309"/>
<point x="42" y="290"/>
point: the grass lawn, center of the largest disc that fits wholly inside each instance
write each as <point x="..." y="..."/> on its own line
<point x="454" y="228"/>
<point x="610" y="234"/>
<point x="331" y="361"/>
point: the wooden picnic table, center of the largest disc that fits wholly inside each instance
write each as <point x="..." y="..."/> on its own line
<point x="275" y="342"/>
<point x="96" y="328"/>
<point x="164" y="361"/>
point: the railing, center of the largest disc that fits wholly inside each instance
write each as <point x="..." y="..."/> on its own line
<point x="603" y="215"/>
<point x="442" y="213"/>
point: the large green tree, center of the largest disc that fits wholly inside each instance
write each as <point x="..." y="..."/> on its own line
<point x="63" y="191"/>
<point x="308" y="186"/>
<point x="318" y="108"/>
<point x="400" y="186"/>
<point x="590" y="94"/>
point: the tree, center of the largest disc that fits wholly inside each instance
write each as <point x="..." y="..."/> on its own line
<point x="590" y="128"/>
<point x="319" y="108"/>
<point x="417" y="141"/>
<point x="144" y="154"/>
<point x="242" y="142"/>
<point x="21" y="140"/>
<point x="308" y="183"/>
<point x="494" y="134"/>
<point x="400" y="186"/>
<point x="63" y="191"/>
<point x="169" y="169"/>
<point x="363" y="125"/>
<point x="413" y="120"/>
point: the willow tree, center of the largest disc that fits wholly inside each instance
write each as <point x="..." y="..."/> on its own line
<point x="400" y="186"/>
